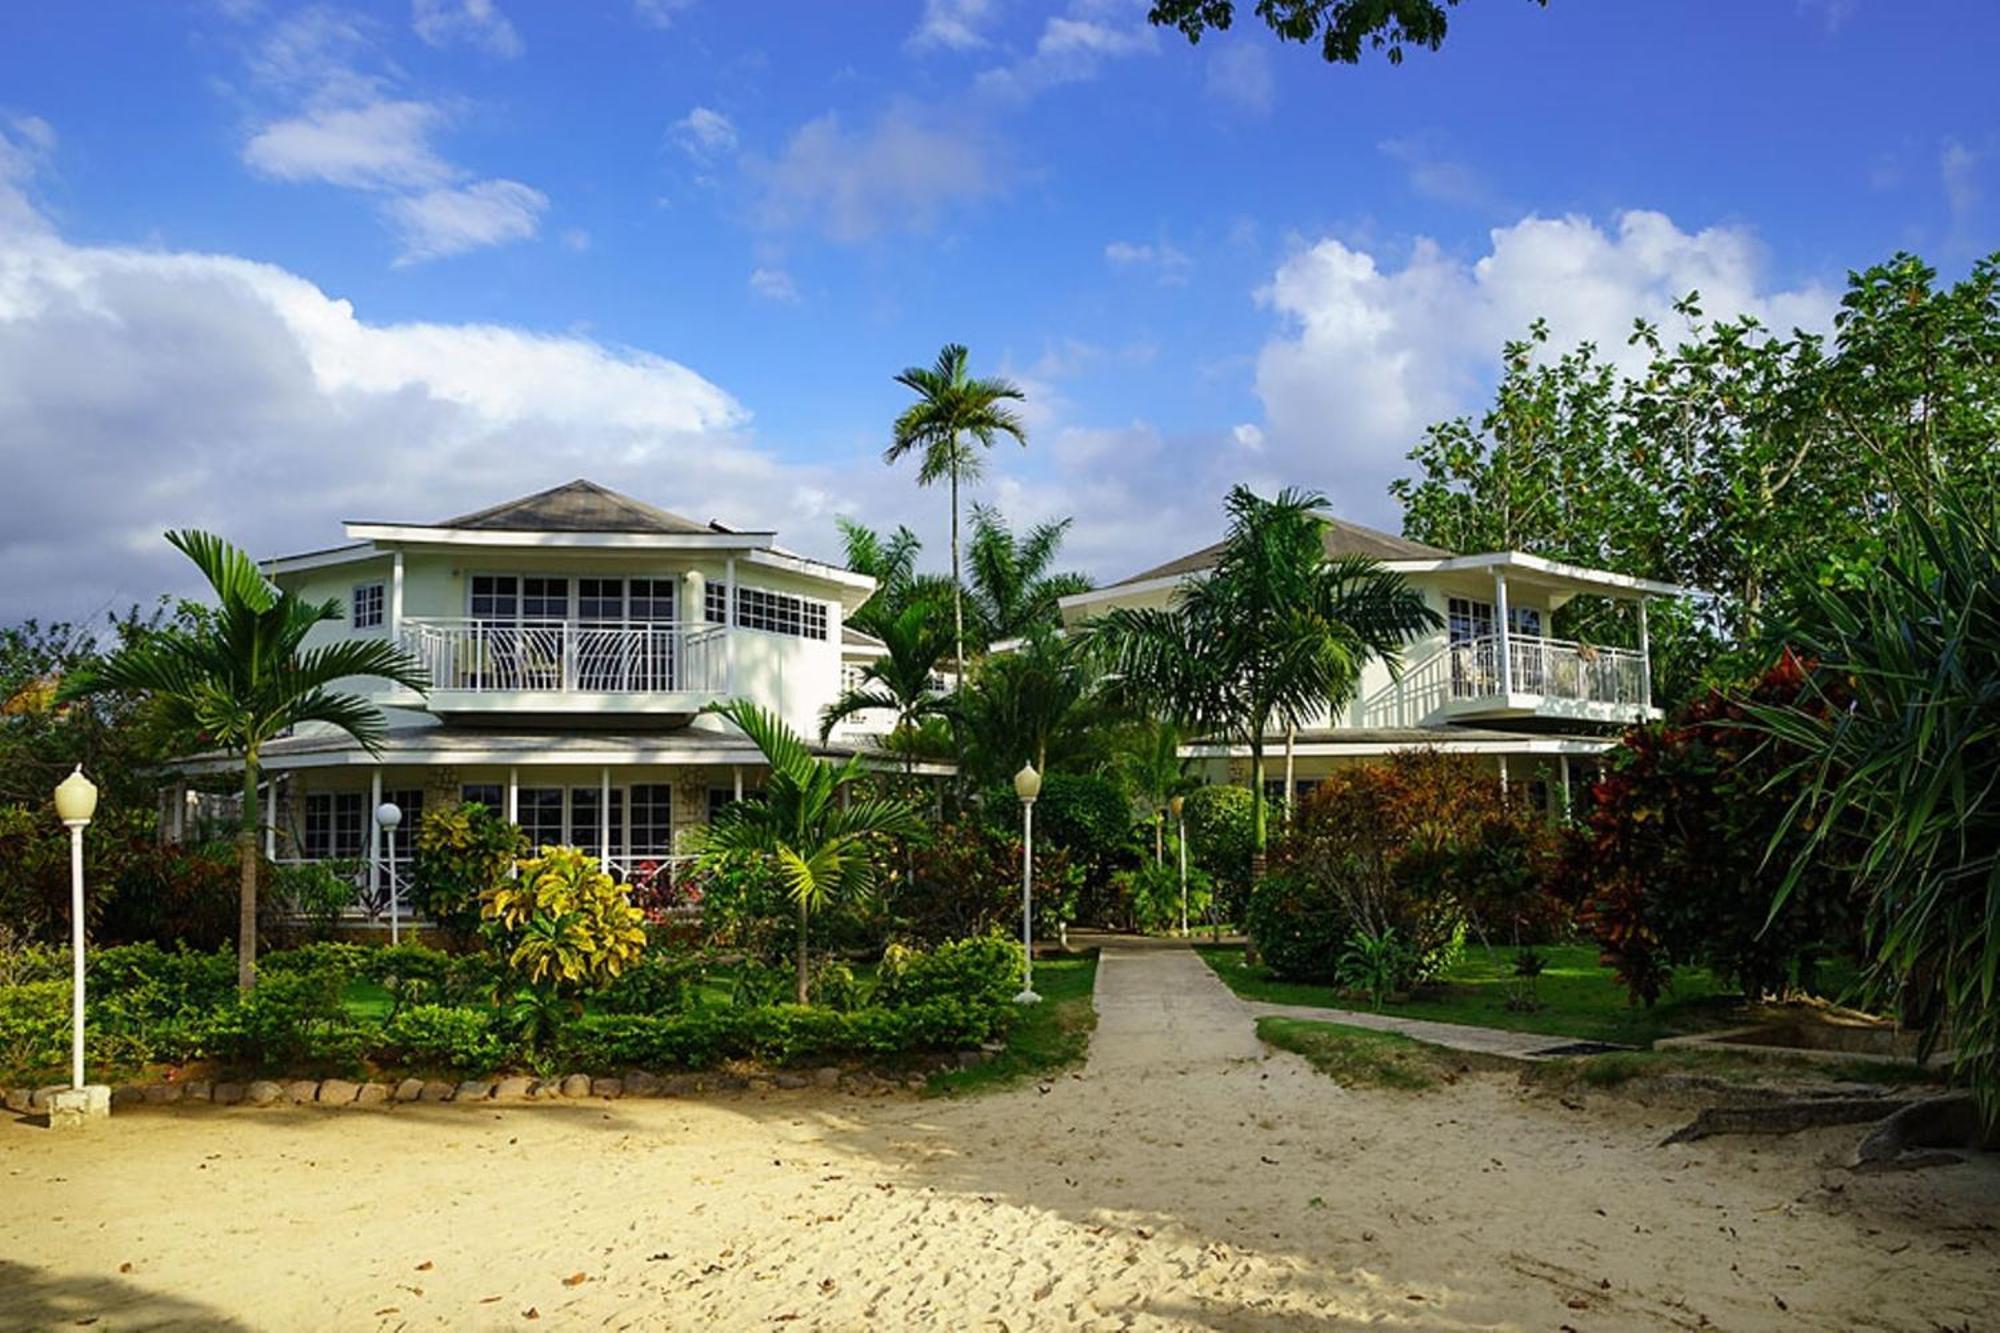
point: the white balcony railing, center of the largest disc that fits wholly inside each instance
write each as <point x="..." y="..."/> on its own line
<point x="1551" y="668"/>
<point x="568" y="656"/>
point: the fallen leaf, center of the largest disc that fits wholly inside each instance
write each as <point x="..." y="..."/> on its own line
<point x="425" y="1266"/>
<point x="576" y="1279"/>
<point x="531" y="1313"/>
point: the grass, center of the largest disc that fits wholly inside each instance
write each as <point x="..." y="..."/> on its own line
<point x="1578" y="997"/>
<point x="1049" y="1036"/>
<point x="1364" y="1058"/>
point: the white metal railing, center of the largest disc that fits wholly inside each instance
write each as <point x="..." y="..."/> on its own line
<point x="569" y="656"/>
<point x="1552" y="668"/>
<point x="385" y="897"/>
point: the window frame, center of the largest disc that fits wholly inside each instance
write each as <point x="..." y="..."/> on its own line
<point x="378" y="590"/>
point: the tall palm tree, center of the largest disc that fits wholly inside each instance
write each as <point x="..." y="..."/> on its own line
<point x="1012" y="585"/>
<point x="953" y="412"/>
<point x="1146" y="760"/>
<point x="820" y="838"/>
<point x="903" y="680"/>
<point x="1273" y="635"/>
<point x="1038" y="704"/>
<point x="243" y="675"/>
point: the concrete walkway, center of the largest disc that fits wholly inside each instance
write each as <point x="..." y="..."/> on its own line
<point x="1159" y="1005"/>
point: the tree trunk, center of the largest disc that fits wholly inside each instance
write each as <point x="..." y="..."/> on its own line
<point x="246" y="847"/>
<point x="805" y="967"/>
<point x="957" y="595"/>
<point x="1159" y="837"/>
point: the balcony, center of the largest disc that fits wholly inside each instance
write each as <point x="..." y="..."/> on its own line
<point x="1551" y="675"/>
<point x="569" y="666"/>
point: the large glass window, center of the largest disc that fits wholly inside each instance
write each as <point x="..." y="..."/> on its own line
<point x="586" y="826"/>
<point x="489" y="794"/>
<point x="772" y="612"/>
<point x="336" y="824"/>
<point x="541" y="816"/>
<point x="544" y="598"/>
<point x="403" y="842"/>
<point x="495" y="597"/>
<point x="652" y="820"/>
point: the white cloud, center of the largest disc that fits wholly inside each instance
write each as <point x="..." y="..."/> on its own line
<point x="774" y="284"/>
<point x="901" y="173"/>
<point x="1239" y="75"/>
<point x="25" y="145"/>
<point x="660" y="13"/>
<point x="375" y="146"/>
<point x="955" y="25"/>
<point x="705" y="134"/>
<point x="142" y="390"/>
<point x="478" y="23"/>
<point x="1165" y="261"/>
<point x="1368" y="355"/>
<point x="452" y="220"/>
<point x="1958" y="170"/>
<point x="1073" y="48"/>
<point x="1248" y="435"/>
<point x="1434" y="174"/>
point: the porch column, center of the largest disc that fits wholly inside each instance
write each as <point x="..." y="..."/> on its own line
<point x="179" y="813"/>
<point x="729" y="619"/>
<point x="513" y="796"/>
<point x="1568" y="806"/>
<point x="1291" y="736"/>
<point x="1645" y="660"/>
<point x="736" y="773"/>
<point x="396" y="598"/>
<point x="604" y="847"/>
<point x="270" y="813"/>
<point x="374" y="835"/>
<point x="1500" y="619"/>
<point x="1503" y="777"/>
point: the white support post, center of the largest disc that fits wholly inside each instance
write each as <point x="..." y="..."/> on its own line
<point x="736" y="772"/>
<point x="270" y="814"/>
<point x="1645" y="660"/>
<point x="1291" y="737"/>
<point x="1568" y="806"/>
<point x="729" y="620"/>
<point x="513" y="796"/>
<point x="1500" y="619"/>
<point x="604" y="846"/>
<point x="396" y="598"/>
<point x="374" y="835"/>
<point x="1503" y="777"/>
<point x="179" y="816"/>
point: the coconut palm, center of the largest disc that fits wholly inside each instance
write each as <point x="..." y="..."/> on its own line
<point x="903" y="681"/>
<point x="953" y="413"/>
<point x="1012" y="585"/>
<point x="807" y="824"/>
<point x="1273" y="635"/>
<point x="242" y="675"/>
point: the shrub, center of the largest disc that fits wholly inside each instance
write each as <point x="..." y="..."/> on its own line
<point x="777" y="1033"/>
<point x="34" y="1028"/>
<point x="308" y="898"/>
<point x="463" y="851"/>
<point x="564" y="923"/>
<point x="966" y="881"/>
<point x="983" y="972"/>
<point x="1150" y="896"/>
<point x="659" y="983"/>
<point x="1300" y="924"/>
<point x="293" y="1019"/>
<point x="180" y="894"/>
<point x="1220" y="838"/>
<point x="442" y="1037"/>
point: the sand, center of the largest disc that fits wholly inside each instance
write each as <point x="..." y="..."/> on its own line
<point x="1184" y="1178"/>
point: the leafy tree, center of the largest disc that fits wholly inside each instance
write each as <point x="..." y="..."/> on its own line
<point x="903" y="681"/>
<point x="1038" y="704"/>
<point x="807" y="823"/>
<point x="1013" y="589"/>
<point x="953" y="412"/>
<point x="1272" y="636"/>
<point x="1146" y="761"/>
<point x="892" y="562"/>
<point x="243" y="675"/>
<point x="1341" y="27"/>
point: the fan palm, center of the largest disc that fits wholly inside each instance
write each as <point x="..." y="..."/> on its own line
<point x="953" y="412"/>
<point x="1012" y="586"/>
<point x="1273" y="635"/>
<point x="902" y="681"/>
<point x="820" y="838"/>
<point x="242" y="676"/>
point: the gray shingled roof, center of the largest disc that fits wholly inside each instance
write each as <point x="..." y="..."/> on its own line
<point x="577" y="506"/>
<point x="1341" y="539"/>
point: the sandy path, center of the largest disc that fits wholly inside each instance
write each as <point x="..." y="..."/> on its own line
<point x="1184" y="1178"/>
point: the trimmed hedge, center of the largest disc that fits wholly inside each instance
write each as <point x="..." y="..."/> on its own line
<point x="785" y="1034"/>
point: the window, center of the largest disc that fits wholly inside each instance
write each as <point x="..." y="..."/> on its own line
<point x="586" y="822"/>
<point x="336" y="824"/>
<point x="1468" y="620"/>
<point x="489" y="794"/>
<point x="652" y="819"/>
<point x="368" y="603"/>
<point x="719" y="799"/>
<point x="544" y="598"/>
<point x="1524" y="620"/>
<point x="495" y="597"/>
<point x="541" y="816"/>
<point x="772" y="612"/>
<point x="403" y="843"/>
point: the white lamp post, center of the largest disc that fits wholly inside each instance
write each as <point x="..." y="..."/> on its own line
<point x="388" y="815"/>
<point x="76" y="803"/>
<point x="1027" y="786"/>
<point x="1179" y="807"/>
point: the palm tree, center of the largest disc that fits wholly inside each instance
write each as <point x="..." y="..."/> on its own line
<point x="1012" y="586"/>
<point x="1274" y="634"/>
<point x="1038" y="704"/>
<point x="243" y="675"/>
<point x="952" y="413"/>
<point x="820" y="838"/>
<point x="1147" y="762"/>
<point x="902" y="681"/>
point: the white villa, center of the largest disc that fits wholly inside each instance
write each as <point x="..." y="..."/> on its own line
<point x="1491" y="683"/>
<point x="571" y="638"/>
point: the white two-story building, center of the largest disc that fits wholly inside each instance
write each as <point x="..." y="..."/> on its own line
<point x="571" y="639"/>
<point x="1491" y="682"/>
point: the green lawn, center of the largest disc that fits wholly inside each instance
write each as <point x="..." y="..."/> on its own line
<point x="1578" y="997"/>
<point x="1049" y="1036"/>
<point x="1362" y="1057"/>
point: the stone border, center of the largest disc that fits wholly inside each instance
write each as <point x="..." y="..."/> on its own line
<point x="516" y="1089"/>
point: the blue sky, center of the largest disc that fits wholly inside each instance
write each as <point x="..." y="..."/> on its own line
<point x="264" y="267"/>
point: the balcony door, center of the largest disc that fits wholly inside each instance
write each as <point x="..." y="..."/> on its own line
<point x="624" y="635"/>
<point x="521" y="628"/>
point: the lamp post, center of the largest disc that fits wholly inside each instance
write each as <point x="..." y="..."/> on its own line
<point x="388" y="815"/>
<point x="1027" y="786"/>
<point x="76" y="803"/>
<point x="1179" y="807"/>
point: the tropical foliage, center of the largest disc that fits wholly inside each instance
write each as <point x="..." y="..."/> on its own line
<point x="241" y="676"/>
<point x="903" y="682"/>
<point x="463" y="851"/>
